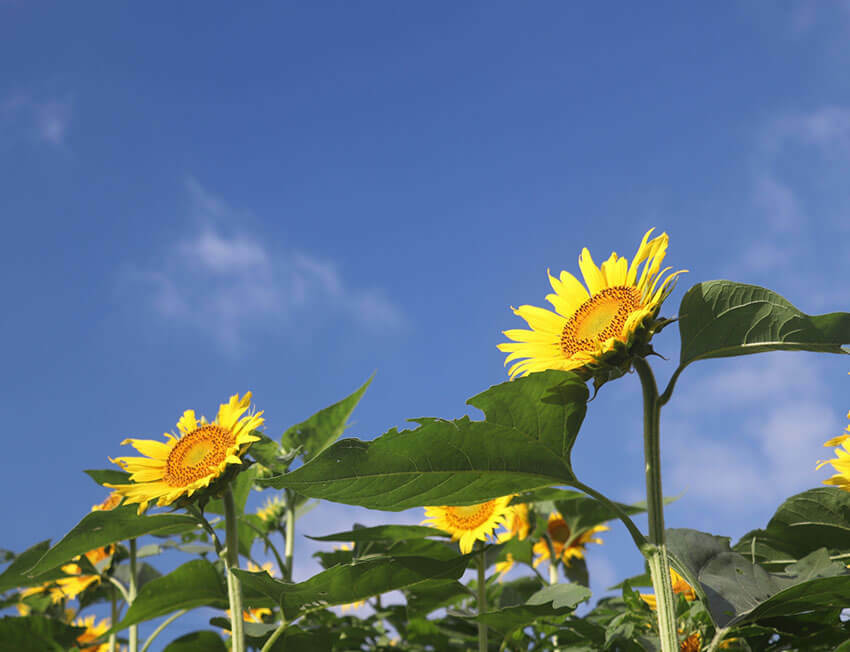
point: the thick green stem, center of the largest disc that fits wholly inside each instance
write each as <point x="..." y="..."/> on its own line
<point x="113" y="637"/>
<point x="289" y="546"/>
<point x="553" y="572"/>
<point x="481" y="604"/>
<point x="656" y="550"/>
<point x="132" y="592"/>
<point x="165" y="623"/>
<point x="231" y="561"/>
<point x="719" y="635"/>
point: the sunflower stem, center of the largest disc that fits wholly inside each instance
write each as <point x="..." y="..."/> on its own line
<point x="231" y="561"/>
<point x="655" y="550"/>
<point x="276" y="634"/>
<point x="553" y="572"/>
<point x="481" y="603"/>
<point x="289" y="545"/>
<point x="113" y="637"/>
<point x="165" y="623"/>
<point x="132" y="592"/>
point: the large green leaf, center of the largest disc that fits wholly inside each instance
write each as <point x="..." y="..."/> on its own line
<point x="425" y="597"/>
<point x="523" y="444"/>
<point x="104" y="527"/>
<point x="348" y="583"/>
<point x="738" y="591"/>
<point x="110" y="476"/>
<point x="322" y="429"/>
<point x="383" y="533"/>
<point x="721" y="318"/>
<point x="194" y="584"/>
<point x="805" y="522"/>
<point x="37" y="634"/>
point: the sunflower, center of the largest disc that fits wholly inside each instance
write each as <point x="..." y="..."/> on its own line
<point x="691" y="644"/>
<point x="470" y="523"/>
<point x="503" y="567"/>
<point x="75" y="582"/>
<point x="272" y="509"/>
<point x="110" y="502"/>
<point x="589" y="324"/>
<point x="841" y="463"/>
<point x="253" y="615"/>
<point x="565" y="544"/>
<point x="183" y="465"/>
<point x="92" y="633"/>
<point x="518" y="525"/>
<point x="680" y="586"/>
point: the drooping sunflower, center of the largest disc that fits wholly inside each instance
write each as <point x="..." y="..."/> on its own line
<point x="470" y="523"/>
<point x="589" y="324"/>
<point x="680" y="586"/>
<point x="92" y="633"/>
<point x="187" y="463"/>
<point x="518" y="524"/>
<point x="841" y="463"/>
<point x="75" y="582"/>
<point x="565" y="544"/>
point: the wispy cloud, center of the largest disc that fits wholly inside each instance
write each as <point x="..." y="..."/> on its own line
<point x="224" y="280"/>
<point x="45" y="120"/>
<point x="756" y="463"/>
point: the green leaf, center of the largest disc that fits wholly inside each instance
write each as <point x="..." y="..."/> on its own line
<point x="322" y="429"/>
<point x="383" y="533"/>
<point x="101" y="528"/>
<point x="37" y="634"/>
<point x="111" y="476"/>
<point x="550" y="602"/>
<point x="805" y="522"/>
<point x="203" y="641"/>
<point x="721" y="318"/>
<point x="348" y="583"/>
<point x="738" y="591"/>
<point x="425" y="597"/>
<point x="15" y="574"/>
<point x="531" y="423"/>
<point x="295" y="638"/>
<point x="194" y="584"/>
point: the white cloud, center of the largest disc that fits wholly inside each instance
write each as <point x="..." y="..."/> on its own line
<point x="45" y="120"/>
<point x="755" y="463"/>
<point x="225" y="282"/>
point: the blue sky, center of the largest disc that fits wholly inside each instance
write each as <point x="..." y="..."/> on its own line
<point x="214" y="198"/>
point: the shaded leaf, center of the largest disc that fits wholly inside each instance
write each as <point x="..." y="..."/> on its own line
<point x="15" y="574"/>
<point x="37" y="634"/>
<point x="194" y="584"/>
<point x="348" y="583"/>
<point x="202" y="641"/>
<point x="425" y="597"/>
<point x="457" y="462"/>
<point x="323" y="428"/>
<point x="383" y="533"/>
<point x="111" y="476"/>
<point x="101" y="528"/>
<point x="560" y="596"/>
<point x="722" y="318"/>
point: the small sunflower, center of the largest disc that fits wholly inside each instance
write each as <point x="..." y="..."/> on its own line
<point x="504" y="567"/>
<point x="75" y="582"/>
<point x="183" y="465"/>
<point x="589" y="324"/>
<point x="518" y="524"/>
<point x="691" y="644"/>
<point x="110" y="502"/>
<point x="470" y="523"/>
<point x="680" y="586"/>
<point x="253" y="615"/>
<point x="92" y="633"/>
<point x="565" y="544"/>
<point x="272" y="509"/>
<point x="841" y="463"/>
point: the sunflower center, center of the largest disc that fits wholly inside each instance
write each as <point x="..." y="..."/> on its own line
<point x="196" y="453"/>
<point x="470" y="517"/>
<point x="600" y="318"/>
<point x="559" y="531"/>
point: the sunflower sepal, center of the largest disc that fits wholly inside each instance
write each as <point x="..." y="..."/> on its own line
<point x="216" y="489"/>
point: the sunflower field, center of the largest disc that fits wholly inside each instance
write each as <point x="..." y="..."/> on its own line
<point x="500" y="495"/>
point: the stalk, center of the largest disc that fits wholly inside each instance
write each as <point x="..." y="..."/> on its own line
<point x="275" y="634"/>
<point x="231" y="561"/>
<point x="481" y="604"/>
<point x="289" y="545"/>
<point x="553" y="571"/>
<point x="165" y="623"/>
<point x="655" y="550"/>
<point x="132" y="592"/>
<point x="113" y="637"/>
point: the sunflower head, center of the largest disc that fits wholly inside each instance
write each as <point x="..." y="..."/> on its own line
<point x="92" y="633"/>
<point x="566" y="544"/>
<point x="470" y="523"/>
<point x="203" y="453"/>
<point x="680" y="587"/>
<point x="597" y="330"/>
<point x="841" y="463"/>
